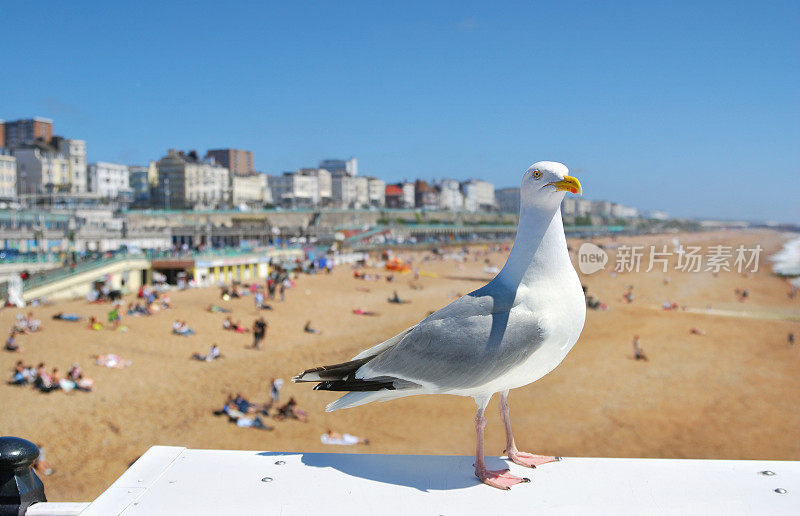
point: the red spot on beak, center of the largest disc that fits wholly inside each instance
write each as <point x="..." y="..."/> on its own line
<point x="573" y="190"/>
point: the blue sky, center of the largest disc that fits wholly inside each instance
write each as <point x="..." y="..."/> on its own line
<point x="692" y="107"/>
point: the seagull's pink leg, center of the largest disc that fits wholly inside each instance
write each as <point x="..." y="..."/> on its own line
<point x="523" y="459"/>
<point x="501" y="479"/>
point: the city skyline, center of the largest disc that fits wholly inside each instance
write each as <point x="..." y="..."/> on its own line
<point x="688" y="122"/>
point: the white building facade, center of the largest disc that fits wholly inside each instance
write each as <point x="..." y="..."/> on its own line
<point x="109" y="180"/>
<point x="41" y="169"/>
<point x="248" y="191"/>
<point x="8" y="175"/>
<point x="478" y="195"/>
<point x="450" y="196"/>
<point x="294" y="190"/>
<point x="75" y="153"/>
<point x="408" y="195"/>
<point x="376" y="192"/>
<point x="187" y="182"/>
<point x="344" y="192"/>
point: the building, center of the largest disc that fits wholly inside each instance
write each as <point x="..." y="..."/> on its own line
<point x="601" y="208"/>
<point x="620" y="211"/>
<point x="187" y="182"/>
<point x="110" y="180"/>
<point x="478" y="195"/>
<point x="576" y="207"/>
<point x="26" y="131"/>
<point x="294" y="190"/>
<point x="75" y="153"/>
<point x="450" y="196"/>
<point x="324" y="184"/>
<point x="41" y="168"/>
<point x="426" y="196"/>
<point x="143" y="182"/>
<point x="238" y="162"/>
<point x="344" y="192"/>
<point x="340" y="167"/>
<point x="394" y="196"/>
<point x="507" y="200"/>
<point x="408" y="195"/>
<point x="362" y="192"/>
<point x="248" y="191"/>
<point x="8" y="175"/>
<point x="376" y="192"/>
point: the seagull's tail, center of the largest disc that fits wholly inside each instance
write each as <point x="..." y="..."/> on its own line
<point x="331" y="373"/>
<point x="342" y="377"/>
<point x="354" y="399"/>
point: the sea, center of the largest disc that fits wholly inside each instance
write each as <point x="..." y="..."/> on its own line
<point x="786" y="262"/>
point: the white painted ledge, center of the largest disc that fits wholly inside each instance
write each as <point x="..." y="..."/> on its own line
<point x="168" y="481"/>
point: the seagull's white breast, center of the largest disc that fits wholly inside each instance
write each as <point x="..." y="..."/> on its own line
<point x="558" y="304"/>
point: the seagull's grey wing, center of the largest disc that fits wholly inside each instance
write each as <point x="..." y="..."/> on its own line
<point x="466" y="344"/>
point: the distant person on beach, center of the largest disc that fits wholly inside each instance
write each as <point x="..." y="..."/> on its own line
<point x="115" y="317"/>
<point x="628" y="295"/>
<point x="259" y="332"/>
<point x="275" y="390"/>
<point x="790" y="338"/>
<point x="331" y="437"/>
<point x="396" y="299"/>
<point x="212" y="354"/>
<point x="182" y="329"/>
<point x="11" y="343"/>
<point x="290" y="410"/>
<point x="42" y="466"/>
<point x="638" y="352"/>
<point x="308" y="329"/>
<point x="361" y="311"/>
<point x="743" y="294"/>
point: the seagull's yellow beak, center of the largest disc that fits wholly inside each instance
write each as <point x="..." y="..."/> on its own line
<point x="568" y="184"/>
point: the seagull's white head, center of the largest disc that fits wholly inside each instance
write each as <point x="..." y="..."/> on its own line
<point x="545" y="183"/>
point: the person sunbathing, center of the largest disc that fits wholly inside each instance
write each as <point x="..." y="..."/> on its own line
<point x="95" y="324"/>
<point x="212" y="354"/>
<point x="214" y="309"/>
<point x="290" y="410"/>
<point x="61" y="316"/>
<point x="18" y="374"/>
<point x="11" y="343"/>
<point x="32" y="323"/>
<point x="361" y="311"/>
<point x="331" y="437"/>
<point x="308" y="329"/>
<point x="111" y="360"/>
<point x="182" y="329"/>
<point x="83" y="384"/>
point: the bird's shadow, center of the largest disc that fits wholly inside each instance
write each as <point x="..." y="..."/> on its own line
<point x="422" y="472"/>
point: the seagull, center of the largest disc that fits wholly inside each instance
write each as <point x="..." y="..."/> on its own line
<point x="504" y="335"/>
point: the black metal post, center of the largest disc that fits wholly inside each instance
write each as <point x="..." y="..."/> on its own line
<point x="19" y="486"/>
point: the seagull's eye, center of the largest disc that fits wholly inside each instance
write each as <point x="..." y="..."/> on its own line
<point x="537" y="174"/>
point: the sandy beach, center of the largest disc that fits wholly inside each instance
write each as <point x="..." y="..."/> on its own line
<point x="727" y="394"/>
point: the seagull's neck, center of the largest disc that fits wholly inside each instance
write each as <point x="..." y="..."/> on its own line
<point x="539" y="250"/>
